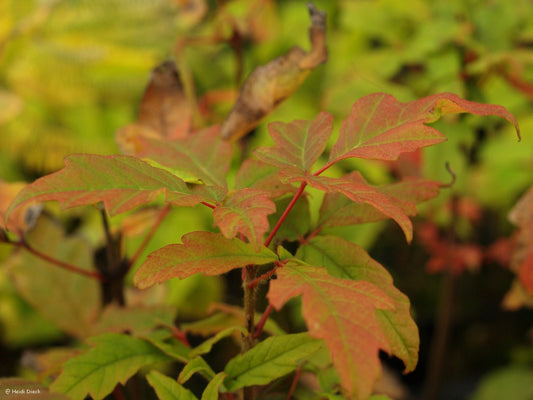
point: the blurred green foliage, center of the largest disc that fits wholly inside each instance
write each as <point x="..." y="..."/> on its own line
<point x="72" y="72"/>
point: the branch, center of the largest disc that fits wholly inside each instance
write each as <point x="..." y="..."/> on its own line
<point x="69" y="267"/>
<point x="285" y="213"/>
<point x="149" y="236"/>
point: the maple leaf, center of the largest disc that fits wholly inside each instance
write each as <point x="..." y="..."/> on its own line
<point x="120" y="182"/>
<point x="338" y="210"/>
<point x="359" y="193"/>
<point x="113" y="358"/>
<point x="271" y="359"/>
<point x="380" y="127"/>
<point x="298" y="144"/>
<point x="342" y="312"/>
<point x="167" y="388"/>
<point x="245" y="211"/>
<point x="201" y="157"/>
<point x="257" y="175"/>
<point x="25" y="217"/>
<point x="201" y="252"/>
<point x="347" y="260"/>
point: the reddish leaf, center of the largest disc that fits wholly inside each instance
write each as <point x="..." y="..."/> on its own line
<point x="121" y="182"/>
<point x="24" y="218"/>
<point x="201" y="252"/>
<point x="298" y="144"/>
<point x="245" y="211"/>
<point x="347" y="260"/>
<point x="338" y="210"/>
<point x="446" y="255"/>
<point x="342" y="313"/>
<point x="380" y="127"/>
<point x="257" y="175"/>
<point x="202" y="156"/>
<point x="360" y="193"/>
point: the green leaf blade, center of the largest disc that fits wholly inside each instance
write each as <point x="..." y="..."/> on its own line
<point x="273" y="358"/>
<point x="167" y="388"/>
<point x="212" y="389"/>
<point x="114" y="358"/>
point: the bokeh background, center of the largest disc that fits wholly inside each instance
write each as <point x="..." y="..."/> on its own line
<point x="72" y="72"/>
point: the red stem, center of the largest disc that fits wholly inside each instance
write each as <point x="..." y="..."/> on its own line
<point x="254" y="282"/>
<point x="150" y="234"/>
<point x="294" y="382"/>
<point x="205" y="203"/>
<point x="59" y="263"/>
<point x="325" y="167"/>
<point x="262" y="321"/>
<point x="285" y="213"/>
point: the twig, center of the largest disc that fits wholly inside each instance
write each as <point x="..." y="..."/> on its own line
<point x="285" y="213"/>
<point x="69" y="267"/>
<point x="149" y="235"/>
<point x="443" y="322"/>
<point x="109" y="248"/>
<point x="295" y="380"/>
<point x="260" y="325"/>
<point x="261" y="278"/>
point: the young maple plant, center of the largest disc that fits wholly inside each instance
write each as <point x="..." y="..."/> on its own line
<point x="262" y="226"/>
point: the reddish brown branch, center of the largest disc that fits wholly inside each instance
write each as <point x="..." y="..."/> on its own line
<point x="285" y="213"/>
<point x="69" y="267"/>
<point x="295" y="380"/>
<point x="149" y="236"/>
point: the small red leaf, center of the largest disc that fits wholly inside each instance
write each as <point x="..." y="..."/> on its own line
<point x="342" y="312"/>
<point x="360" y="193"/>
<point x="120" y="182"/>
<point x="201" y="252"/>
<point x="338" y="210"/>
<point x="298" y="144"/>
<point x="245" y="211"/>
<point x="380" y="127"/>
<point x="448" y="256"/>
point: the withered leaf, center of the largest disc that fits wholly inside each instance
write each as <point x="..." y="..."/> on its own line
<point x="164" y="111"/>
<point x="269" y="85"/>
